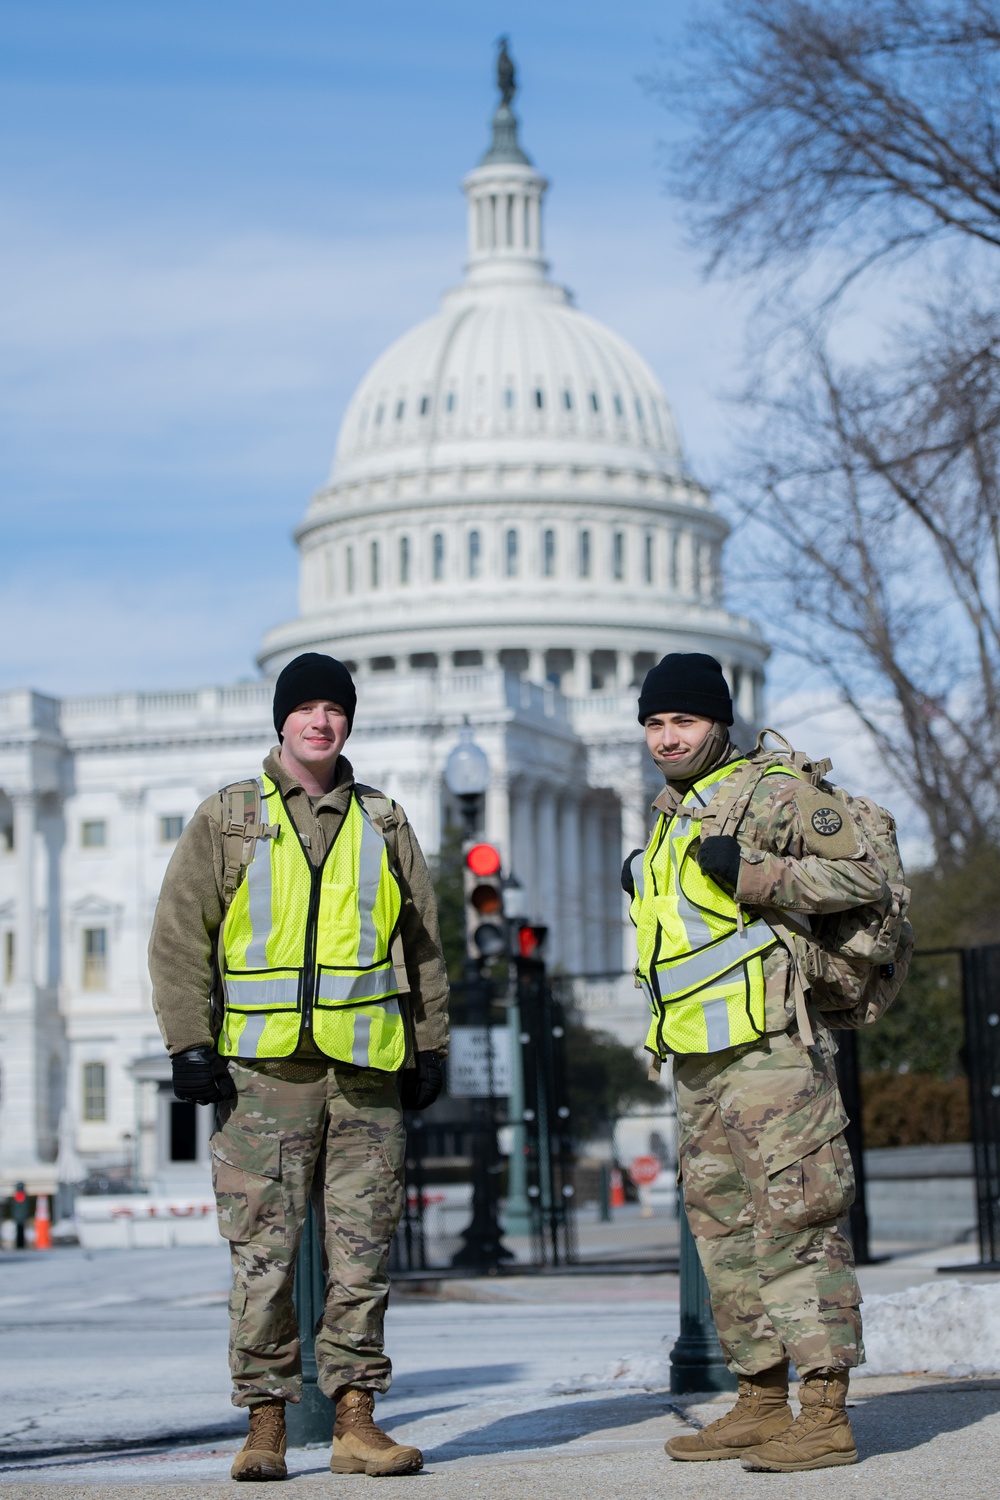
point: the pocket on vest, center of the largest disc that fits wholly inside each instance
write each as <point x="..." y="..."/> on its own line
<point x="246" y="1175"/>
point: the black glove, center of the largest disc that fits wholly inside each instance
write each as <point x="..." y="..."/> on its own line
<point x="201" y="1076"/>
<point x="420" y="1085"/>
<point x="628" y="879"/>
<point x="719" y="858"/>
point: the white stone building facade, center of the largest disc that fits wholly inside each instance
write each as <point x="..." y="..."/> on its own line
<point x="509" y="538"/>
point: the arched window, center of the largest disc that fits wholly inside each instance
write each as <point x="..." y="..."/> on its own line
<point x="437" y="556"/>
<point x="568" y="400"/>
<point x="475" y="554"/>
<point x="539" y="398"/>
<point x="404" y="559"/>
<point x="595" y="404"/>
<point x="425" y="405"/>
<point x="618" y="554"/>
<point x="584" y="554"/>
<point x="511" y="554"/>
<point x="374" y="565"/>
<point x="647" y="557"/>
<point x="549" y="553"/>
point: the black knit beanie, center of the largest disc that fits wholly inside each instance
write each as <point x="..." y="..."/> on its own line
<point x="308" y="678"/>
<point x="686" y="682"/>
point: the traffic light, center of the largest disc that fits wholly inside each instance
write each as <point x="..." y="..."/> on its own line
<point x="531" y="940"/>
<point x="486" y="934"/>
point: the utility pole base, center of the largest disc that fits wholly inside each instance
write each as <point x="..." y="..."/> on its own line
<point x="311" y="1419"/>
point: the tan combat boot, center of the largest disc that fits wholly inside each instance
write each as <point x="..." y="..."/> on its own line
<point x="263" y="1454"/>
<point x="761" y="1412"/>
<point x="359" y="1447"/>
<point x="820" y="1436"/>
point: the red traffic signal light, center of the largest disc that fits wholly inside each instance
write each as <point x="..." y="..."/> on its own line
<point x="531" y="940"/>
<point x="483" y="860"/>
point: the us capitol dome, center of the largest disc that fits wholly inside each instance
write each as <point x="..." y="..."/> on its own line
<point x="509" y="490"/>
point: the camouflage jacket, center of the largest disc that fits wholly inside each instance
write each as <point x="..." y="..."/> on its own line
<point x="184" y="940"/>
<point x="788" y="866"/>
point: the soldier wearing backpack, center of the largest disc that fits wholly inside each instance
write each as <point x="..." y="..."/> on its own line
<point x="768" y="906"/>
<point x="300" y="986"/>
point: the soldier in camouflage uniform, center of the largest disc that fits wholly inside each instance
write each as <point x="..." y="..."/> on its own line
<point x="301" y="1113"/>
<point x="767" y="1176"/>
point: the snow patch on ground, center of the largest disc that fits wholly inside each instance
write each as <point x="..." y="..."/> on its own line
<point x="629" y="1372"/>
<point x="944" y="1327"/>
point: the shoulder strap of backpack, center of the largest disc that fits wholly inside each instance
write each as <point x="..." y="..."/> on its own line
<point x="382" y="815"/>
<point x="241" y="827"/>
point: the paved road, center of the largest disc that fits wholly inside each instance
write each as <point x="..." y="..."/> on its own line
<point x="515" y="1393"/>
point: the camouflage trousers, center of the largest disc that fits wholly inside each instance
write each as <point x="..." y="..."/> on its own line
<point x="767" y="1179"/>
<point x="335" y="1133"/>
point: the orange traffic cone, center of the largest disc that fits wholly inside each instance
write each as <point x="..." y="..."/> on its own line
<point x="43" y="1224"/>
<point x="617" y="1198"/>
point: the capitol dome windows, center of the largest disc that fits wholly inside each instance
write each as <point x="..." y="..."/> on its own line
<point x="618" y="555"/>
<point x="595" y="404"/>
<point x="584" y="554"/>
<point x="374" y="565"/>
<point x="437" y="556"/>
<point x="647" y="557"/>
<point x="379" y="414"/>
<point x="539" y="398"/>
<point x="349" y="568"/>
<point x="568" y="400"/>
<point x="619" y="408"/>
<point x="549" y="553"/>
<point x="475" y="554"/>
<point x="449" y="401"/>
<point x="425" y="405"/>
<point x="404" y="559"/>
<point x="508" y="398"/>
<point x="510" y="553"/>
<point x="467" y="659"/>
<point x="400" y="409"/>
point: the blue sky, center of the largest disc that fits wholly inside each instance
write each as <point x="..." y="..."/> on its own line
<point x="213" y="217"/>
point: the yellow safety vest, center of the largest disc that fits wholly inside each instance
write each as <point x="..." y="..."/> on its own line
<point x="306" y="949"/>
<point x="700" y="964"/>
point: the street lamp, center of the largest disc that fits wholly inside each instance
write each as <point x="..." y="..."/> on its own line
<point x="467" y="775"/>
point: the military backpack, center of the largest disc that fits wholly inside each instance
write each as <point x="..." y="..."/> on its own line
<point x="849" y="965"/>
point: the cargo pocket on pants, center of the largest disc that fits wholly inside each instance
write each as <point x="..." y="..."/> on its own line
<point x="810" y="1176"/>
<point x="246" y="1175"/>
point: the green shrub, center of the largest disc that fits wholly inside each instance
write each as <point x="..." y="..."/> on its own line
<point x="913" y="1109"/>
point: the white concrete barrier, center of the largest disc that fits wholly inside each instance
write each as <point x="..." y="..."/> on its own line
<point x="139" y="1221"/>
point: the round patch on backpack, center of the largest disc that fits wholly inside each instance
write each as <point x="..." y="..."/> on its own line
<point x="827" y="821"/>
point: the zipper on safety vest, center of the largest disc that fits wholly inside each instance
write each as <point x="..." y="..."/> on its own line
<point x="309" y="974"/>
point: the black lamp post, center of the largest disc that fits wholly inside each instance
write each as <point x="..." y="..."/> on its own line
<point x="311" y="1419"/>
<point x="467" y="775"/>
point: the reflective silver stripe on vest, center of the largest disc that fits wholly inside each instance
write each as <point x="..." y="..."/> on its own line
<point x="709" y="963"/>
<point x="348" y="987"/>
<point x="638" y="875"/>
<point x="244" y="993"/>
<point x="258" y="879"/>
<point x="717" y="1024"/>
<point x="250" y="1036"/>
<point x="362" y="1036"/>
<point x="698" y="931"/>
<point x="369" y="877"/>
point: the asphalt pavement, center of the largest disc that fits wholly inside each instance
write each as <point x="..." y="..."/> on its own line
<point x="113" y="1382"/>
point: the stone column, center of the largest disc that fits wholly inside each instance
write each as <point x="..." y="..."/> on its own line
<point x="592" y="893"/>
<point x="536" y="666"/>
<point x="571" y="886"/>
<point x="22" y="1096"/>
<point x="547" y="834"/>
<point x="523" y="857"/>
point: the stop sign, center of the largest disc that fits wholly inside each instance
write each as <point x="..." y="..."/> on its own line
<point x="645" y="1169"/>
